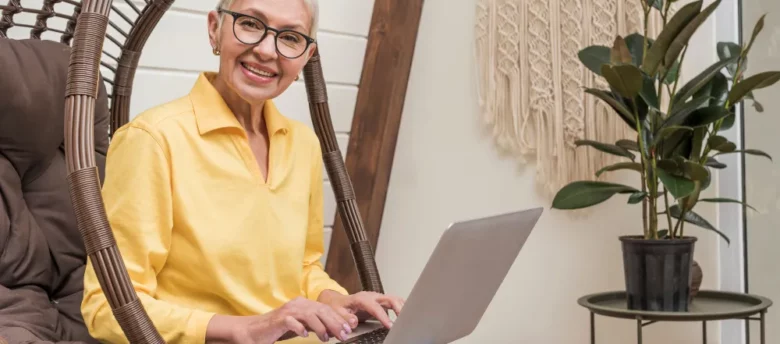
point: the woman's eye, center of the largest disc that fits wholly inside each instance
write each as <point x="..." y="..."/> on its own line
<point x="291" y="38"/>
<point x="250" y="24"/>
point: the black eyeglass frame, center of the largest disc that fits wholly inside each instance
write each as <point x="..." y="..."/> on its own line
<point x="237" y="15"/>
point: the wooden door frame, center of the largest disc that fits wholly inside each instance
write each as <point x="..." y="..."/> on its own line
<point x="375" y="124"/>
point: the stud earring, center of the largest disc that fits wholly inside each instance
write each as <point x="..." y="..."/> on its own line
<point x="216" y="51"/>
<point x="297" y="77"/>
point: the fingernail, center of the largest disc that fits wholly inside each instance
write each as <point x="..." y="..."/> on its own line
<point x="305" y="333"/>
<point x="343" y="335"/>
<point x="347" y="328"/>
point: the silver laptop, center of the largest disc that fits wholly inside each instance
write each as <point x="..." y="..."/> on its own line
<point x="458" y="283"/>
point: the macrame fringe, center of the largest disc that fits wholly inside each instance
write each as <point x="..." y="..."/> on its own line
<point x="531" y="81"/>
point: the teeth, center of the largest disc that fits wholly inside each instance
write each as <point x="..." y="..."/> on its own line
<point x="257" y="71"/>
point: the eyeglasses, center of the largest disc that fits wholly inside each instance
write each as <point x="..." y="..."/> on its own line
<point x="250" y="30"/>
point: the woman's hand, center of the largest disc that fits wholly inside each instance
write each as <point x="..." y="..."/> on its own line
<point x="296" y="317"/>
<point x="363" y="305"/>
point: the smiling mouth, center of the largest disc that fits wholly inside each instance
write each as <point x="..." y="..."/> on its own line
<point x="257" y="71"/>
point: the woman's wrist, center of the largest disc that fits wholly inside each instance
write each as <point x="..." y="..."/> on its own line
<point x="223" y="329"/>
<point x="328" y="296"/>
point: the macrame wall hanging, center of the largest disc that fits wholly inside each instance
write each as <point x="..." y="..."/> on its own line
<point x="531" y="81"/>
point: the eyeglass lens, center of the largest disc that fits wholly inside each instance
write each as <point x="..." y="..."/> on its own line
<point x="288" y="43"/>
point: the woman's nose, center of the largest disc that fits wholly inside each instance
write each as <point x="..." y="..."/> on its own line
<point x="266" y="48"/>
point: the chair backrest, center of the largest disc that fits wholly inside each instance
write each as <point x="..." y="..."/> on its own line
<point x="125" y="35"/>
<point x="108" y="39"/>
<point x="42" y="256"/>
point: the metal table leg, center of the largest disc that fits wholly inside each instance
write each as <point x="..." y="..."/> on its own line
<point x="592" y="328"/>
<point x="639" y="330"/>
<point x="763" y="327"/>
<point x="704" y="331"/>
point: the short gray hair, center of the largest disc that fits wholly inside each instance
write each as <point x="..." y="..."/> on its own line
<point x="314" y="9"/>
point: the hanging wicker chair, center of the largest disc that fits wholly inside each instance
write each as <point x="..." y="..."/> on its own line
<point x="86" y="32"/>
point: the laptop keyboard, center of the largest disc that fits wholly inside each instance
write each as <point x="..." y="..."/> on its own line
<point x="374" y="337"/>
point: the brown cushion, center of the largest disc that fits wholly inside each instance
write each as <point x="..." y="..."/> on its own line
<point x="42" y="257"/>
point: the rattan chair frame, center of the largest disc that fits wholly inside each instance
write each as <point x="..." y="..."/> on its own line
<point x="86" y="31"/>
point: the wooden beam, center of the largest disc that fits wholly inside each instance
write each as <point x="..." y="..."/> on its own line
<point x="380" y="102"/>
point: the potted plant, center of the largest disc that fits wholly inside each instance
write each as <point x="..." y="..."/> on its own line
<point x="676" y="147"/>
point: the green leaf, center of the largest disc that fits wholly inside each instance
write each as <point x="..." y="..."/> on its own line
<point x="706" y="115"/>
<point x="649" y="94"/>
<point x="676" y="24"/>
<point x="647" y="136"/>
<point x="582" y="194"/>
<point x="620" y="166"/>
<point x="748" y="151"/>
<point x="717" y="89"/>
<point x="658" y="4"/>
<point x="720" y="89"/>
<point x="695" y="171"/>
<point x="681" y="40"/>
<point x="729" y="50"/>
<point x="725" y="200"/>
<point x="642" y="110"/>
<point x="678" y="186"/>
<point x="635" y="44"/>
<point x="729" y="121"/>
<point x="593" y="57"/>
<point x="694" y="85"/>
<point x="637" y="197"/>
<point x="680" y="113"/>
<point x="721" y="144"/>
<point x="620" y="53"/>
<point x="628" y="144"/>
<point x="672" y="75"/>
<point x="665" y="132"/>
<point x="679" y="160"/>
<point x="697" y="143"/>
<point x="688" y="202"/>
<point x="676" y="144"/>
<point x="695" y="219"/>
<point x="616" y="105"/>
<point x="663" y="234"/>
<point x="706" y="183"/>
<point x="717" y="140"/>
<point x="606" y="148"/>
<point x="728" y="147"/>
<point x="669" y="166"/>
<point x="624" y="79"/>
<point x="756" y="30"/>
<point x="711" y="162"/>
<point x="759" y="108"/>
<point x="754" y="82"/>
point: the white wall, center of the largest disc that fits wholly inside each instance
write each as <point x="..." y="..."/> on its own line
<point x="179" y="49"/>
<point x="763" y="188"/>
<point x="445" y="170"/>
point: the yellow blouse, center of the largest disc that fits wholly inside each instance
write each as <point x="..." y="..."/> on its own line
<point x="200" y="230"/>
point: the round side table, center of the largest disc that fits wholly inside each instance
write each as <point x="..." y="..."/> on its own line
<point x="707" y="306"/>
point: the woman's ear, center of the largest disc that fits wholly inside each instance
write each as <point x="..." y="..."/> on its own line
<point x="311" y="51"/>
<point x="213" y="29"/>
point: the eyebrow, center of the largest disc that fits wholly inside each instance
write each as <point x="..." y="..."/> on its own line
<point x="259" y="14"/>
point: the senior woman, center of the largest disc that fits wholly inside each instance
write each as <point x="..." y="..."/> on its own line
<point x="216" y="199"/>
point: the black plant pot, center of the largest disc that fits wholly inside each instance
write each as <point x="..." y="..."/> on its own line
<point x="658" y="273"/>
